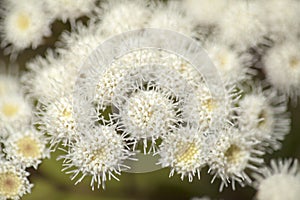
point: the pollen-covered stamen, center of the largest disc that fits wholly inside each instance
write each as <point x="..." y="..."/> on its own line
<point x="186" y="153"/>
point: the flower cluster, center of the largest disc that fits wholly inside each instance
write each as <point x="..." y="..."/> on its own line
<point x="131" y="76"/>
<point x="22" y="145"/>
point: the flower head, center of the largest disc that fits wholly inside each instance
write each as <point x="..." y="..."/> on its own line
<point x="24" y="24"/>
<point x="57" y="121"/>
<point x="231" y="153"/>
<point x="148" y="114"/>
<point x="69" y="9"/>
<point x="121" y="16"/>
<point x="280" y="17"/>
<point x="282" y="67"/>
<point x="264" y="111"/>
<point x="99" y="153"/>
<point x="279" y="181"/>
<point x="14" y="111"/>
<point x="206" y="12"/>
<point x="47" y="78"/>
<point x="184" y="151"/>
<point x="173" y="18"/>
<point x="26" y="147"/>
<point x="13" y="181"/>
<point x="248" y="32"/>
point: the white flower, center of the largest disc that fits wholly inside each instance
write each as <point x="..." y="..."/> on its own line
<point x="265" y="113"/>
<point x="230" y="64"/>
<point x="147" y="114"/>
<point x="174" y="74"/>
<point x="15" y="111"/>
<point x="240" y="25"/>
<point x="99" y="153"/>
<point x="47" y="78"/>
<point x="282" y="67"/>
<point x="185" y="151"/>
<point x="120" y="16"/>
<point x="172" y="17"/>
<point x="13" y="181"/>
<point x="231" y="153"/>
<point x="280" y="181"/>
<point x="206" y="12"/>
<point x="208" y="110"/>
<point x="26" y="147"/>
<point x="56" y="119"/>
<point x="24" y="24"/>
<point x="184" y="68"/>
<point x="281" y="18"/>
<point x="70" y="9"/>
<point x="74" y="47"/>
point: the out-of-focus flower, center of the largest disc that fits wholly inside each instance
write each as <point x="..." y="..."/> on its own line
<point x="282" y="67"/>
<point x="15" y="111"/>
<point x="120" y="16"/>
<point x="279" y="181"/>
<point x="247" y="32"/>
<point x="24" y="25"/>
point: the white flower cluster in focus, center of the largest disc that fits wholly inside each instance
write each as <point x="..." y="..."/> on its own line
<point x="102" y="112"/>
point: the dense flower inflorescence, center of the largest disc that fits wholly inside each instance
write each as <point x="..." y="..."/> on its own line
<point x="102" y="98"/>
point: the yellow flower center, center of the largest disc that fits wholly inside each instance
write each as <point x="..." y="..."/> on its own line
<point x="223" y="60"/>
<point x="66" y="113"/>
<point x="209" y="104"/>
<point x="23" y="22"/>
<point x="99" y="157"/>
<point x="233" y="154"/>
<point x="28" y="147"/>
<point x="10" y="184"/>
<point x="294" y="62"/>
<point x="10" y="110"/>
<point x="186" y="153"/>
